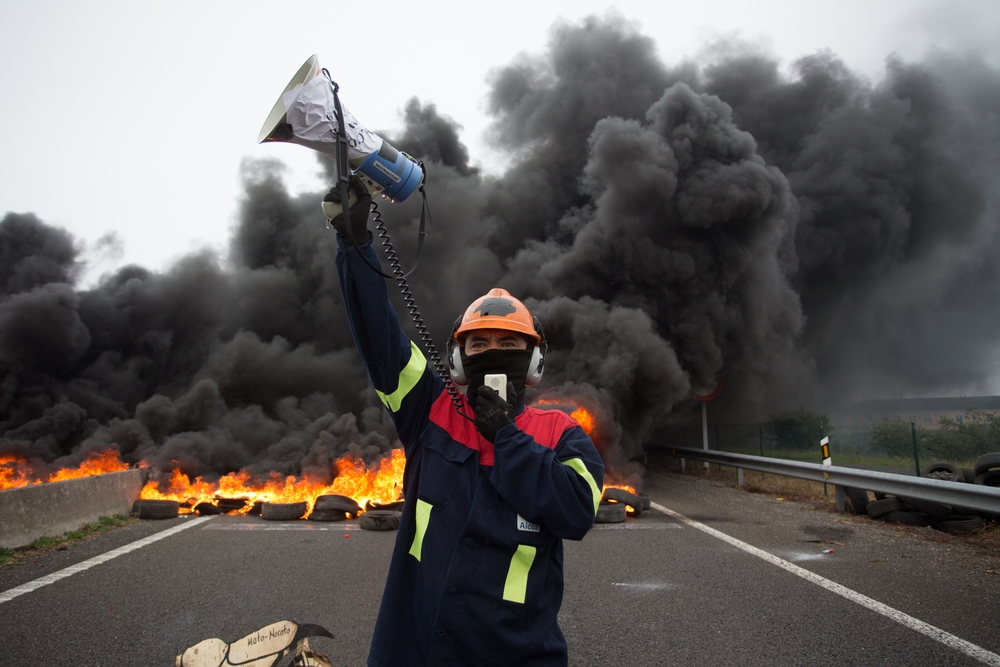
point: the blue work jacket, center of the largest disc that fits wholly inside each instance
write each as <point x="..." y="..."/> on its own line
<point x="476" y="576"/>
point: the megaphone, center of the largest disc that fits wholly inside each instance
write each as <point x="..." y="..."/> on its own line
<point x="306" y="114"/>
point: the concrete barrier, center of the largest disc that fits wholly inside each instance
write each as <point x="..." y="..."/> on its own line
<point x="56" y="507"/>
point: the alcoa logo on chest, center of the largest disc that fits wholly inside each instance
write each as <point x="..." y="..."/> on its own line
<point x="524" y="524"/>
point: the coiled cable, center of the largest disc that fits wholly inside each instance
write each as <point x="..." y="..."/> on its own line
<point x="411" y="306"/>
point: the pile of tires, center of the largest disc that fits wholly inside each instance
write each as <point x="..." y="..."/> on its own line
<point x="617" y="503"/>
<point x="916" y="512"/>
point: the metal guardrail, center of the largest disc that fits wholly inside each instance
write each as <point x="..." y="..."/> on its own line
<point x="957" y="494"/>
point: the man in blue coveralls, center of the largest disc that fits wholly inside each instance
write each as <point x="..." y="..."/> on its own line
<point x="491" y="487"/>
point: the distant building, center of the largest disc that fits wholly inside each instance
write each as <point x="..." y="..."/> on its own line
<point x="925" y="412"/>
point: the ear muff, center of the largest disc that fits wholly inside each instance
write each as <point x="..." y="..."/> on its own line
<point x="536" y="366"/>
<point x="455" y="358"/>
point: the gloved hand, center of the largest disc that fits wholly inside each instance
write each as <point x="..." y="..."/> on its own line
<point x="359" y="210"/>
<point x="492" y="412"/>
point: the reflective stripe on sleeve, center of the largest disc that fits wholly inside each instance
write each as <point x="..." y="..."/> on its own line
<point x="422" y="517"/>
<point x="408" y="378"/>
<point x="581" y="468"/>
<point x="517" y="575"/>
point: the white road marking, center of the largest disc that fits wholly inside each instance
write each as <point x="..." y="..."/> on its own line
<point x="637" y="525"/>
<point x="935" y="633"/>
<point x="8" y="595"/>
<point x="292" y="525"/>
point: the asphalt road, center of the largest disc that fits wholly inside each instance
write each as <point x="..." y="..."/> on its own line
<point x="653" y="591"/>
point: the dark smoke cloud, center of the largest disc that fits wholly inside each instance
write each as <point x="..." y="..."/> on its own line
<point x="806" y="237"/>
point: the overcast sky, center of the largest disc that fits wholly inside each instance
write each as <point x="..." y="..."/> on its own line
<point x="133" y="117"/>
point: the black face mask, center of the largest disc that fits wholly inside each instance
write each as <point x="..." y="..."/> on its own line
<point x="513" y="363"/>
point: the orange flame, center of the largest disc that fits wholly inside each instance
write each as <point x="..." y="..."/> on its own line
<point x="15" y="471"/>
<point x="580" y="414"/>
<point x="96" y="463"/>
<point x="380" y="484"/>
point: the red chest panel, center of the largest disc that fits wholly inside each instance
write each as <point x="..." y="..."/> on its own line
<point x="545" y="426"/>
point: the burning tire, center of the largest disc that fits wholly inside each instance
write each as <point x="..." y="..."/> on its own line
<point x="610" y="512"/>
<point x="231" y="504"/>
<point x="633" y="505"/>
<point x="282" y="511"/>
<point x="396" y="506"/>
<point x="332" y="503"/>
<point x="908" y="518"/>
<point x="208" y="509"/>
<point x="857" y="499"/>
<point x="644" y="499"/>
<point x="880" y="508"/>
<point x="380" y="520"/>
<point x="327" y="515"/>
<point x="959" y="524"/>
<point x="155" y="509"/>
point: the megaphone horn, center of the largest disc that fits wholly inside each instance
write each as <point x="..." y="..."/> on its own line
<point x="306" y="114"/>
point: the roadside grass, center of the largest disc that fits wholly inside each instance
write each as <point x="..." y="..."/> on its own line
<point x="42" y="544"/>
<point x="812" y="493"/>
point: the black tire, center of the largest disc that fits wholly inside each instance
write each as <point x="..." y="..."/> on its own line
<point x="644" y="499"/>
<point x="155" y="509"/>
<point x="380" y="520"/>
<point x="954" y="473"/>
<point x="208" y="509"/>
<point x="959" y="524"/>
<point x="327" y="515"/>
<point x="337" y="504"/>
<point x="989" y="478"/>
<point x="631" y="501"/>
<point x="935" y="511"/>
<point x="986" y="463"/>
<point x="255" y="508"/>
<point x="857" y="499"/>
<point x="970" y="475"/>
<point x="882" y="507"/>
<point x="610" y="513"/>
<point x="282" y="511"/>
<point x="231" y="504"/>
<point x="908" y="518"/>
<point x="393" y="507"/>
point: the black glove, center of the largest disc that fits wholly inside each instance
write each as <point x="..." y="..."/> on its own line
<point x="359" y="210"/>
<point x="492" y="412"/>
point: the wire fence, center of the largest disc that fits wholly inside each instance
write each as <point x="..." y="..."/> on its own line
<point x="891" y="446"/>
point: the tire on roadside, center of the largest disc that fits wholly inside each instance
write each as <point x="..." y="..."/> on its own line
<point x="645" y="500"/>
<point x="969" y="475"/>
<point x="208" y="509"/>
<point x="379" y="520"/>
<point x="632" y="502"/>
<point x="960" y="524"/>
<point x="231" y="504"/>
<point x="335" y="503"/>
<point x="989" y="478"/>
<point x="909" y="518"/>
<point x="857" y="499"/>
<point x="986" y="463"/>
<point x="327" y="515"/>
<point x="610" y="512"/>
<point x="936" y="511"/>
<point x="880" y="508"/>
<point x="943" y="470"/>
<point x="282" y="511"/>
<point x="155" y="509"/>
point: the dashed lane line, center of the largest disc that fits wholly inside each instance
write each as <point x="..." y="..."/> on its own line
<point x="935" y="633"/>
<point x="9" y="595"/>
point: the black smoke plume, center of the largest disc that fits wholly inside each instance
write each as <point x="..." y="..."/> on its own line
<point x="803" y="237"/>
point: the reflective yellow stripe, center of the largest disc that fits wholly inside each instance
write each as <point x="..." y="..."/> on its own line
<point x="577" y="465"/>
<point x="408" y="378"/>
<point x="517" y="575"/>
<point x="423" y="516"/>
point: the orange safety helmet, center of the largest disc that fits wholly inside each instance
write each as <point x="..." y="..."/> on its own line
<point x="497" y="309"/>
